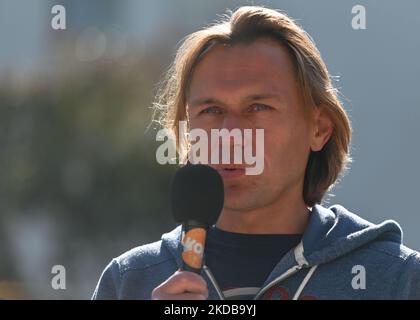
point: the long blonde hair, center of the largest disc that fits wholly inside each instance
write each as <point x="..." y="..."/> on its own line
<point x="245" y="25"/>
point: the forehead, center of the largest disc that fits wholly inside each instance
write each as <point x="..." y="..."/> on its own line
<point x="263" y="63"/>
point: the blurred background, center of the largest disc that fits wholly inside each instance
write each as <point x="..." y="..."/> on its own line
<point x="79" y="183"/>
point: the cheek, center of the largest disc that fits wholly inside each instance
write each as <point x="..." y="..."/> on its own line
<point x="286" y="144"/>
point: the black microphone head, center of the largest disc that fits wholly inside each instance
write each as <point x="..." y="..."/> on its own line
<point x="197" y="194"/>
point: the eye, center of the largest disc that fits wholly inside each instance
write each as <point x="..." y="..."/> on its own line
<point x="259" y="107"/>
<point x="211" y="110"/>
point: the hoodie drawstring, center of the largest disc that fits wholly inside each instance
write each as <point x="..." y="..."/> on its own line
<point x="302" y="262"/>
<point x="214" y="283"/>
<point x="304" y="282"/>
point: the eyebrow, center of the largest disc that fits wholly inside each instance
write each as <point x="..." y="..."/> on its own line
<point x="249" y="98"/>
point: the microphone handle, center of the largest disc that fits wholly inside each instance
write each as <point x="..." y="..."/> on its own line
<point x="193" y="241"/>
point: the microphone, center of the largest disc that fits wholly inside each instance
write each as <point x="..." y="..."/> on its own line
<point x="197" y="200"/>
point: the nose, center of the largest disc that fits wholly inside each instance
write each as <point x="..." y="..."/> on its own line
<point x="230" y="143"/>
<point x="232" y="121"/>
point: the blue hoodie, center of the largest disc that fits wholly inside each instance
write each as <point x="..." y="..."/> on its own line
<point x="341" y="256"/>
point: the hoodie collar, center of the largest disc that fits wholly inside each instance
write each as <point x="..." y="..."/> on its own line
<point x="333" y="232"/>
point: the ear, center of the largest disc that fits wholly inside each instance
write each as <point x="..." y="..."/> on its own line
<point x="322" y="128"/>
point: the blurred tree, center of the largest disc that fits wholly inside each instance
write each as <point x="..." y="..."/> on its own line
<point x="77" y="150"/>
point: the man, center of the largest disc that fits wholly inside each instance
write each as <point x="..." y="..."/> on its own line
<point x="273" y="240"/>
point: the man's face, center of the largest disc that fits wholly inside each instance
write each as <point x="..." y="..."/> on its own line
<point x="253" y="86"/>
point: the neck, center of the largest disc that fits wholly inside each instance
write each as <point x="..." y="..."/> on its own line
<point x="287" y="215"/>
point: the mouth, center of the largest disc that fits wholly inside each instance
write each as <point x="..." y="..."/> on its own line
<point x="230" y="172"/>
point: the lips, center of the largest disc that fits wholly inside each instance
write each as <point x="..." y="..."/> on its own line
<point x="229" y="172"/>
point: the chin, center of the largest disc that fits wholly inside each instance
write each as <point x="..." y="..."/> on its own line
<point x="237" y="198"/>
